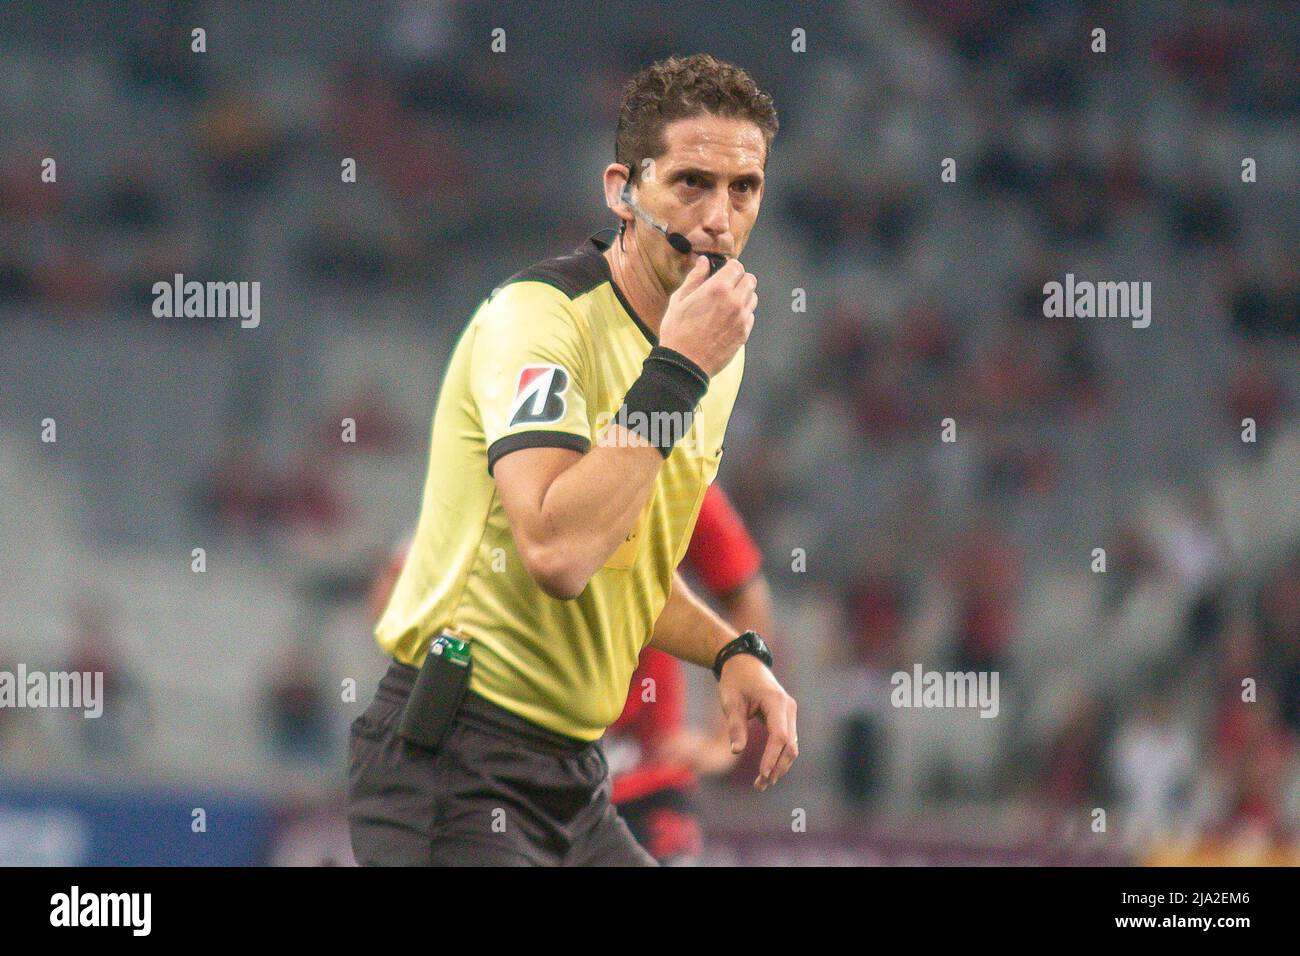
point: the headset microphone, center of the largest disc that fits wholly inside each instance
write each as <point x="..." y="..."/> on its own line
<point x="675" y="239"/>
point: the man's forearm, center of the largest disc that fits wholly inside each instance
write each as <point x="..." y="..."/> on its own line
<point x="749" y="607"/>
<point x="569" y="517"/>
<point x="592" y="506"/>
<point x="688" y="628"/>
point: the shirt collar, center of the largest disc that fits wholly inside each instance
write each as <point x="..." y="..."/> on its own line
<point x="596" y="245"/>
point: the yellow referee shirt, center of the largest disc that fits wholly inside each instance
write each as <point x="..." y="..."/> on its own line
<point x="546" y="360"/>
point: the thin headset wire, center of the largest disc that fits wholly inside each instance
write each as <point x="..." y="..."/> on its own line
<point x="630" y="203"/>
<point x="627" y="195"/>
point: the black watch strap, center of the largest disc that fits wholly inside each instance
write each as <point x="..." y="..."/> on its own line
<point x="747" y="643"/>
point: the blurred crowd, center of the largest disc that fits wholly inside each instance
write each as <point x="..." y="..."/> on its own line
<point x="928" y="306"/>
<point x="1208" y="742"/>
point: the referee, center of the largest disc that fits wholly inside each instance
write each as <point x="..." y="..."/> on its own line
<point x="578" y="424"/>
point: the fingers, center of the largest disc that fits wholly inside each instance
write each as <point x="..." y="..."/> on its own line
<point x="730" y="273"/>
<point x="730" y="277"/>
<point x="745" y="294"/>
<point x="695" y="278"/>
<point x="742" y="293"/>
<point x="776" y="744"/>
<point x="731" y="282"/>
<point x="739" y="281"/>
<point x="736" y="719"/>
<point x="791" y="750"/>
<point x="747" y="314"/>
<point x="782" y="744"/>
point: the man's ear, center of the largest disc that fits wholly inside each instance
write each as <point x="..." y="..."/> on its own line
<point x="616" y="179"/>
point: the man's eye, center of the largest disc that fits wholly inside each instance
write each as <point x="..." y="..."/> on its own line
<point x="692" y="182"/>
<point x="744" y="187"/>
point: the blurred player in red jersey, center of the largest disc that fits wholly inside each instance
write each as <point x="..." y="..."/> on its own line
<point x="654" y="757"/>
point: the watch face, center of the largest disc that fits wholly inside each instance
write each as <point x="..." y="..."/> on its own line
<point x="747" y="643"/>
<point x="757" y="644"/>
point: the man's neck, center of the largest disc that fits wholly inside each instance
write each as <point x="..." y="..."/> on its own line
<point x="638" y="286"/>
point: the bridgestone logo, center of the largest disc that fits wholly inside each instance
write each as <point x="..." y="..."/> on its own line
<point x="539" y="396"/>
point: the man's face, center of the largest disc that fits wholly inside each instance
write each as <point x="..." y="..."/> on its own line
<point x="707" y="185"/>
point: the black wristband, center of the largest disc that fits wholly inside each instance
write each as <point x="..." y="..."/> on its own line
<point x="747" y="643"/>
<point x="661" y="402"/>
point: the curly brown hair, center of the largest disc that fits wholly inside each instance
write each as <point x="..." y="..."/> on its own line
<point x="681" y="87"/>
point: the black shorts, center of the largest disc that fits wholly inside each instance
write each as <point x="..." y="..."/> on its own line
<point x="500" y="791"/>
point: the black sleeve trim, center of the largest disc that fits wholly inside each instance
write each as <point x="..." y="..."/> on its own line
<point x="535" y="439"/>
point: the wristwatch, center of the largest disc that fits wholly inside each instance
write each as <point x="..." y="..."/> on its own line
<point x="747" y="643"/>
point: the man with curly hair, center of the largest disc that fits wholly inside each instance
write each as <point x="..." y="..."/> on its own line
<point x="578" y="425"/>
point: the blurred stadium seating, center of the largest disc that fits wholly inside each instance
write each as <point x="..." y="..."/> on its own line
<point x="924" y="303"/>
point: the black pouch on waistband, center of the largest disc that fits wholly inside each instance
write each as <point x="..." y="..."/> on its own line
<point x="439" y="690"/>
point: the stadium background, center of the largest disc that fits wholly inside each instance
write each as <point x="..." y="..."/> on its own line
<point x="1119" y="690"/>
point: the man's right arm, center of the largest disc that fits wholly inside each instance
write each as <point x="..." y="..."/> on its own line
<point x="568" y="511"/>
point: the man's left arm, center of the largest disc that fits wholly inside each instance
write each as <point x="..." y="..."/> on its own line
<point x="688" y="629"/>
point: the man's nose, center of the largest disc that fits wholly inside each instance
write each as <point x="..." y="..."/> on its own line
<point x="717" y="217"/>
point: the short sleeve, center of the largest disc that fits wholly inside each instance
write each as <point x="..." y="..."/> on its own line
<point x="529" y="372"/>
